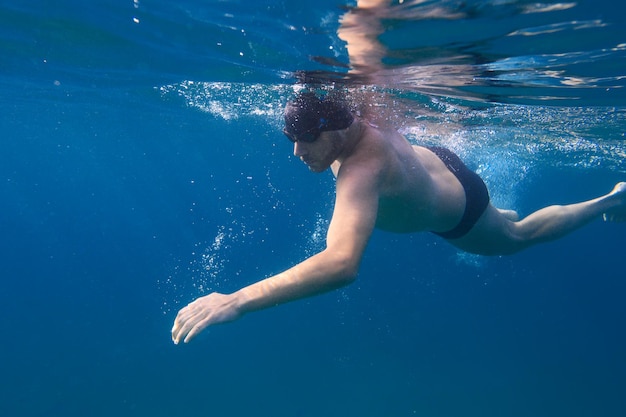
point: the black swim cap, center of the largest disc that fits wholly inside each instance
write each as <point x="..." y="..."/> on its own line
<point x="308" y="113"/>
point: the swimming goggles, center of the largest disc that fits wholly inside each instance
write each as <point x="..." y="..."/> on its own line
<point x="309" y="135"/>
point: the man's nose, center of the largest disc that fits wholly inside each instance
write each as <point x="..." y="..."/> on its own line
<point x="298" y="149"/>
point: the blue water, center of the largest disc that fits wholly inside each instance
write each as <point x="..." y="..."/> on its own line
<point x="143" y="165"/>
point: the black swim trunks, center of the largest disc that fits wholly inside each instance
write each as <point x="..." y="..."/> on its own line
<point x="476" y="194"/>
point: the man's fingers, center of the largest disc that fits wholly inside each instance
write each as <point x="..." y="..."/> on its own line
<point x="194" y="331"/>
<point x="177" y="331"/>
<point x="188" y="323"/>
<point x="201" y="313"/>
<point x="179" y="322"/>
<point x="186" y="327"/>
<point x="181" y="333"/>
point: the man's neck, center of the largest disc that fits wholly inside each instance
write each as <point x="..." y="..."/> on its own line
<point x="353" y="136"/>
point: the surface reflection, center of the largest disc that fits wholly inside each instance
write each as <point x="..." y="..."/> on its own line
<point x="497" y="51"/>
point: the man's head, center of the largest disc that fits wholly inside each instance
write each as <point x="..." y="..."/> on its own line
<point x="313" y="124"/>
<point x="308" y="115"/>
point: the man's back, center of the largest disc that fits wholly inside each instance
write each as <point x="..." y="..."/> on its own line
<point x="417" y="191"/>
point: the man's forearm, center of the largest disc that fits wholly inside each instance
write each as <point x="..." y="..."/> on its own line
<point x="320" y="273"/>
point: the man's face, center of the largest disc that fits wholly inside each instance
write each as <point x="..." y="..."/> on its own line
<point x="319" y="154"/>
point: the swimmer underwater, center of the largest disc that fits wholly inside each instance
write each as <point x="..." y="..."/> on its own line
<point x="384" y="182"/>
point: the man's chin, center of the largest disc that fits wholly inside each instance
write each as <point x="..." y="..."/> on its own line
<point x="316" y="168"/>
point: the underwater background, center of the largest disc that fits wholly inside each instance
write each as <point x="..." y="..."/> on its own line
<point x="143" y="165"/>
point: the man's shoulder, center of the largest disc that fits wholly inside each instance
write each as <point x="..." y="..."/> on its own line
<point x="369" y="163"/>
<point x="376" y="143"/>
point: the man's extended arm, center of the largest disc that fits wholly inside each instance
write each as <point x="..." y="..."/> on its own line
<point x="337" y="265"/>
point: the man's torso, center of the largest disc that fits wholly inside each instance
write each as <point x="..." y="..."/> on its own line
<point x="417" y="191"/>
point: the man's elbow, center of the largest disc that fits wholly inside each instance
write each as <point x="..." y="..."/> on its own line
<point x="347" y="269"/>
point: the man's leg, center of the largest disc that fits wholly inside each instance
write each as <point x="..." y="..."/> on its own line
<point x="498" y="232"/>
<point x="553" y="222"/>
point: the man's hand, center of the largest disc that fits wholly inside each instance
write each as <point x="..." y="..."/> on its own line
<point x="211" y="309"/>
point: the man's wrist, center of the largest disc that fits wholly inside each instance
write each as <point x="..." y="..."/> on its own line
<point x="241" y="301"/>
